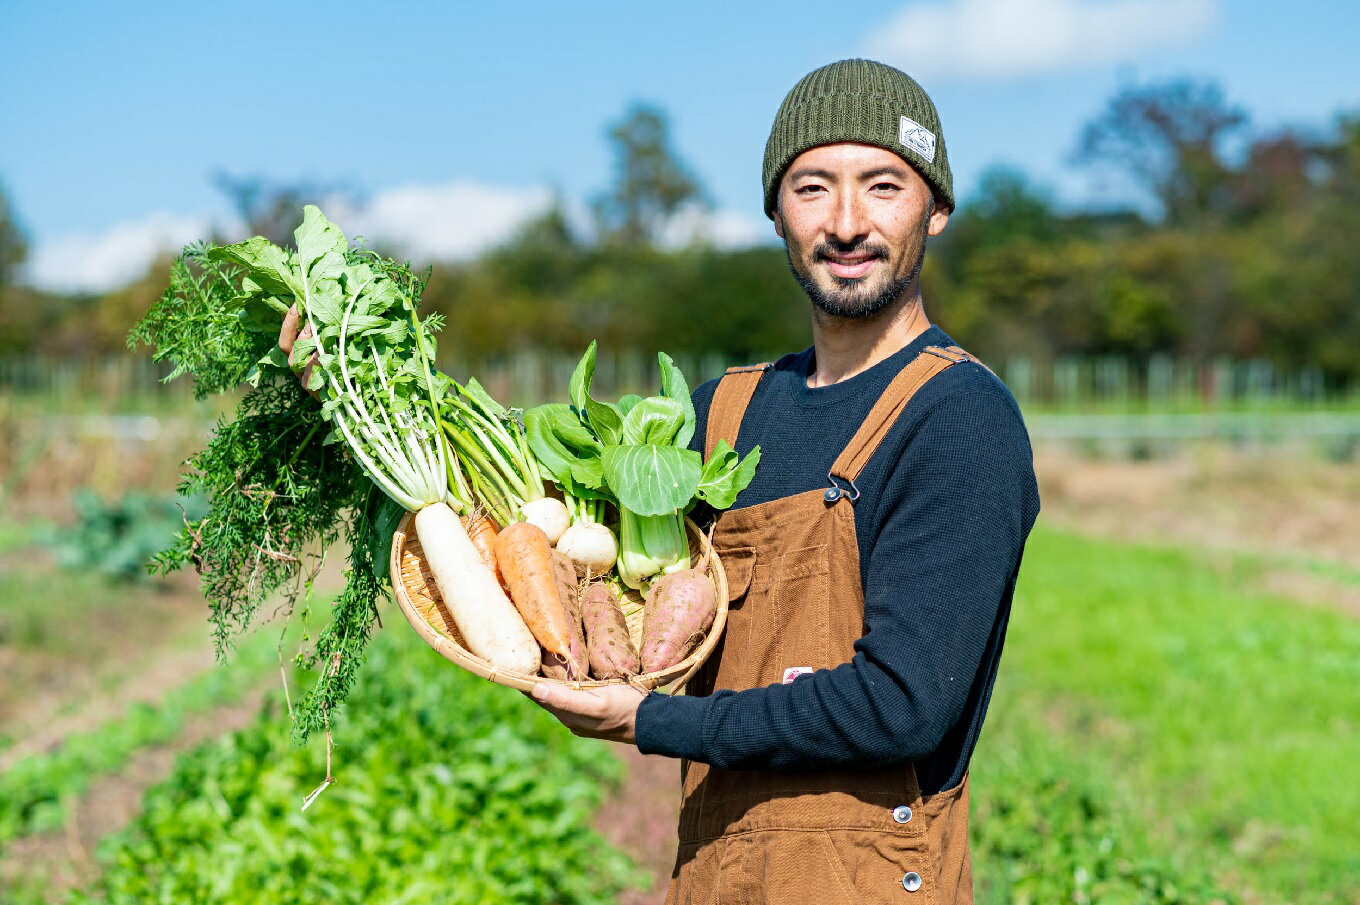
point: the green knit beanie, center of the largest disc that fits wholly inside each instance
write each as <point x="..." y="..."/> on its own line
<point x="861" y="101"/>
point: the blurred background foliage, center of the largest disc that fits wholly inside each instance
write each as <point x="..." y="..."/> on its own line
<point x="1240" y="247"/>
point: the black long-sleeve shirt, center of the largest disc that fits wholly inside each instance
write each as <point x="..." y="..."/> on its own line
<point x="946" y="504"/>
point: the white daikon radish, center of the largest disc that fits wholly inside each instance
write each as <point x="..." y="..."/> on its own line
<point x="489" y="622"/>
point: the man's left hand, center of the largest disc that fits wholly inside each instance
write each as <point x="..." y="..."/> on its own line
<point x="608" y="712"/>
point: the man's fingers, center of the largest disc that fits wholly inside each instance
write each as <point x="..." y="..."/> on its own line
<point x="288" y="337"/>
<point x="288" y="333"/>
<point x="607" y="712"/>
<point x="586" y="703"/>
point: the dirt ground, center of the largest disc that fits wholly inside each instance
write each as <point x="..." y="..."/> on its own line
<point x="65" y="858"/>
<point x="1210" y="498"/>
<point x="1300" y="515"/>
<point x="640" y="818"/>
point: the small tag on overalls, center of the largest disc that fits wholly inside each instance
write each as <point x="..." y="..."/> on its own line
<point x="794" y="672"/>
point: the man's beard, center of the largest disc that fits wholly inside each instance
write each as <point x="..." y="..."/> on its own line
<point x="850" y="298"/>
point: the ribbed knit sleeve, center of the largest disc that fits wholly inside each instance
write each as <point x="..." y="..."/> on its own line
<point x="949" y="527"/>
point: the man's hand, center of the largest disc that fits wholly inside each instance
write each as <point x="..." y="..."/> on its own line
<point x="288" y="335"/>
<point x="608" y="712"/>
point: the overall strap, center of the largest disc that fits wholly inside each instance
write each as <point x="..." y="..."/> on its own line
<point x="730" y="399"/>
<point x="861" y="448"/>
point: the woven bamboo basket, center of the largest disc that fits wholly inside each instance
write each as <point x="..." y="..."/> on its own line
<point x="420" y="602"/>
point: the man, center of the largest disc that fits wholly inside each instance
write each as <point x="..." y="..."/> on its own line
<point x="871" y="561"/>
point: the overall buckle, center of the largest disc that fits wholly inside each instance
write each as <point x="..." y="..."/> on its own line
<point x="836" y="491"/>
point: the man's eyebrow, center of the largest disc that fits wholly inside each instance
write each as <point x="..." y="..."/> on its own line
<point x="811" y="173"/>
<point x="897" y="172"/>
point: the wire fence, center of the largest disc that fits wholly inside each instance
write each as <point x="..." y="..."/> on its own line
<point x="1068" y="383"/>
<point x="1160" y="382"/>
<point x="1099" y="405"/>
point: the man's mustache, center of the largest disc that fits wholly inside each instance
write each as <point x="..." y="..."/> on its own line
<point x="825" y="250"/>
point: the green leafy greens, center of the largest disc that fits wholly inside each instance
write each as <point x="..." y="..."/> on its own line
<point x="492" y="450"/>
<point x="280" y="489"/>
<point x="374" y="367"/>
<point x="634" y="453"/>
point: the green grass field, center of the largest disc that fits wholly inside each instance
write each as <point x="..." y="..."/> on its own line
<point x="1208" y="729"/>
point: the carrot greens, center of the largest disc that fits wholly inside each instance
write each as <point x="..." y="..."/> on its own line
<point x="287" y="479"/>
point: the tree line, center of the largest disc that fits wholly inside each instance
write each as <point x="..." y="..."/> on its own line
<point x="1243" y="248"/>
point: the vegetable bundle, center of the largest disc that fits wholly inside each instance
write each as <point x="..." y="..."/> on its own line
<point x="286" y="478"/>
<point x="634" y="456"/>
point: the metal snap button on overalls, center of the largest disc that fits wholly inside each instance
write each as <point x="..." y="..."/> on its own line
<point x="902" y="813"/>
<point x="912" y="881"/>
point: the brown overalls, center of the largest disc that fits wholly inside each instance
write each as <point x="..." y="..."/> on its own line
<point x="812" y="838"/>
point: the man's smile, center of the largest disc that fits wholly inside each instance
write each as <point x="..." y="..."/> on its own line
<point x="849" y="265"/>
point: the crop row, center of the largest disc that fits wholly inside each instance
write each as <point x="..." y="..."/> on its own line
<point x="35" y="792"/>
<point x="447" y="789"/>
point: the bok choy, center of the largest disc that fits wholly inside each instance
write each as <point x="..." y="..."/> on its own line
<point x="634" y="453"/>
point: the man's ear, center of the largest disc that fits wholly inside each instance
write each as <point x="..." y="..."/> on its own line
<point x="938" y="219"/>
<point x="778" y="222"/>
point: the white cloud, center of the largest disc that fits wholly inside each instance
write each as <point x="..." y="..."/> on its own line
<point x="97" y="262"/>
<point x="441" y="222"/>
<point x="1000" y="38"/>
<point x="426" y="222"/>
<point x="724" y="228"/>
<point x="451" y="221"/>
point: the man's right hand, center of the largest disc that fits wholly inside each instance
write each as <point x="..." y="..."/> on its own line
<point x="288" y="335"/>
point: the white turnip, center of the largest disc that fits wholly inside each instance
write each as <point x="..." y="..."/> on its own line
<point x="549" y="514"/>
<point x="590" y="546"/>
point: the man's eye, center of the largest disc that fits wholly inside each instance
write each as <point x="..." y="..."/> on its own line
<point x="886" y="187"/>
<point x="807" y="189"/>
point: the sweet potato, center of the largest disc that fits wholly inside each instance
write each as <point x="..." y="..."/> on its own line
<point x="680" y="608"/>
<point x="577" y="665"/>
<point x="612" y="655"/>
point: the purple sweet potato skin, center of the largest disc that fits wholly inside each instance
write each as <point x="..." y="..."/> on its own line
<point x="555" y="667"/>
<point x="680" y="609"/>
<point x="612" y="655"/>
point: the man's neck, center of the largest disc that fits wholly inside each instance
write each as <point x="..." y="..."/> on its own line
<point x="846" y="346"/>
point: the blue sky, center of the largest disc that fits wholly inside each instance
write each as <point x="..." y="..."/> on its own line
<point x="457" y="120"/>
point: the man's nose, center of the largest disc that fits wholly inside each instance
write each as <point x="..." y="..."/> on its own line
<point x="847" y="224"/>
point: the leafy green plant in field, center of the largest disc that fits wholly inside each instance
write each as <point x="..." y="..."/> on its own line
<point x="35" y="791"/>
<point x="1049" y="826"/>
<point x="448" y="790"/>
<point x="119" y="537"/>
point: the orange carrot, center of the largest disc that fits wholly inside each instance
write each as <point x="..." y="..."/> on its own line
<point x="482" y="532"/>
<point x="525" y="559"/>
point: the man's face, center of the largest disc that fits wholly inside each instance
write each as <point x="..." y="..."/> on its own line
<point x="854" y="219"/>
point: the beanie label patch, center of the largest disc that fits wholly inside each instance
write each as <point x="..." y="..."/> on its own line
<point x="918" y="138"/>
